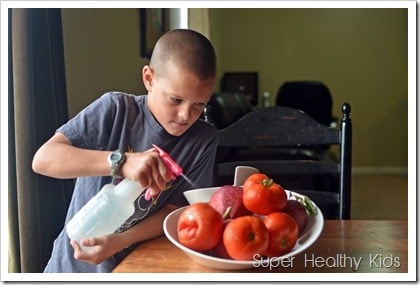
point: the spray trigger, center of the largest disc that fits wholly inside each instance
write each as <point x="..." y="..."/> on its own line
<point x="173" y="167"/>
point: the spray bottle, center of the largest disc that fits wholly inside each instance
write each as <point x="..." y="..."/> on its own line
<point x="112" y="206"/>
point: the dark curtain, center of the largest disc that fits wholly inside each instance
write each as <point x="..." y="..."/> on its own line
<point x="37" y="106"/>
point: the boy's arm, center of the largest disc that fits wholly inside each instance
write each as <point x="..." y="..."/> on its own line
<point x="58" y="158"/>
<point x="107" y="246"/>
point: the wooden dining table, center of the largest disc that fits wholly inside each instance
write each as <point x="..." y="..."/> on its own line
<point x="344" y="246"/>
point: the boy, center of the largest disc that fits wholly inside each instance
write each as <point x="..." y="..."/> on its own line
<point x="113" y="137"/>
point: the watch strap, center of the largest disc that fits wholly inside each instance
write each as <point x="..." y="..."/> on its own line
<point x="115" y="160"/>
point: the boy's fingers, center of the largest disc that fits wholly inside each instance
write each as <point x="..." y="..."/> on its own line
<point x="75" y="245"/>
<point x="91" y="241"/>
<point x="78" y="252"/>
<point x="151" y="192"/>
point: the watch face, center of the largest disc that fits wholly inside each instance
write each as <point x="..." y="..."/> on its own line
<point x="115" y="157"/>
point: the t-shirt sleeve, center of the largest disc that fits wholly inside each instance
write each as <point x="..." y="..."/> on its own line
<point x="92" y="127"/>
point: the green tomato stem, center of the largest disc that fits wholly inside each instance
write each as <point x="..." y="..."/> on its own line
<point x="267" y="182"/>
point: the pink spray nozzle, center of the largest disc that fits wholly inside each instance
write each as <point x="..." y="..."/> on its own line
<point x="173" y="167"/>
<point x="169" y="162"/>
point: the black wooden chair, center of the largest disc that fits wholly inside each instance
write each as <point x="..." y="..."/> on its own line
<point x="259" y="137"/>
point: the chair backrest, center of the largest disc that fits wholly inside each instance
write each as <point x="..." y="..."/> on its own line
<point x="279" y="127"/>
<point x="312" y="97"/>
<point x="228" y="107"/>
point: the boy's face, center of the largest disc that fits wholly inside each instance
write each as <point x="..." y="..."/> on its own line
<point x="177" y="98"/>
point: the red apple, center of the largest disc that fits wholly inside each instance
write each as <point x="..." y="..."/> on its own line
<point x="228" y="199"/>
<point x="298" y="212"/>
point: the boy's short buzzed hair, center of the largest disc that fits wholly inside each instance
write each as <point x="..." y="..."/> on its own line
<point x="186" y="48"/>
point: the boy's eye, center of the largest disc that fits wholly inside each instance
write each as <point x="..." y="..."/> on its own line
<point x="176" y="100"/>
<point x="200" y="105"/>
<point x="179" y="101"/>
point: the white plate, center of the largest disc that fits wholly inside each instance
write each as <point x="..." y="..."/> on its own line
<point x="311" y="233"/>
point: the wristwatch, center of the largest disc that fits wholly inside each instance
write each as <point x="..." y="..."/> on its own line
<point x="115" y="160"/>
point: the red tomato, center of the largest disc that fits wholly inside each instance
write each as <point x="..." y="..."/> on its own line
<point x="220" y="249"/>
<point x="244" y="237"/>
<point x="262" y="196"/>
<point x="283" y="233"/>
<point x="200" y="227"/>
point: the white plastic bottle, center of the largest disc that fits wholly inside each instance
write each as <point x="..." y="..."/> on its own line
<point x="105" y="212"/>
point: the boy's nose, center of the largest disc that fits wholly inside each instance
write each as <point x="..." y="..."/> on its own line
<point x="184" y="113"/>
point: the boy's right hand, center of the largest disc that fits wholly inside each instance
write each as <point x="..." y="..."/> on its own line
<point x="148" y="169"/>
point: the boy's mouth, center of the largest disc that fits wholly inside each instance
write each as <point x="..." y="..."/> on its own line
<point x="181" y="124"/>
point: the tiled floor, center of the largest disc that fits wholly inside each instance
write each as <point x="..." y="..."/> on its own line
<point x="379" y="197"/>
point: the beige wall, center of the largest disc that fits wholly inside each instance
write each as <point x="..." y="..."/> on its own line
<point x="361" y="54"/>
<point x="102" y="53"/>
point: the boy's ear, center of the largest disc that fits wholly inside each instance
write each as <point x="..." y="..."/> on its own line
<point x="147" y="75"/>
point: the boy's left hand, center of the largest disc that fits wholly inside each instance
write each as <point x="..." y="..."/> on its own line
<point x="103" y="248"/>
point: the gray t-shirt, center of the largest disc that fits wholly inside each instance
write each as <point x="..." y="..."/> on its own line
<point x="123" y="121"/>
